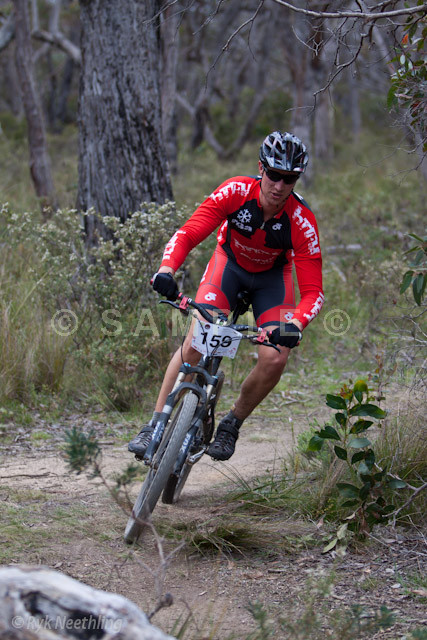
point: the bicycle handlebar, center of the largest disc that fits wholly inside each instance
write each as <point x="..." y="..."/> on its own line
<point x="186" y="302"/>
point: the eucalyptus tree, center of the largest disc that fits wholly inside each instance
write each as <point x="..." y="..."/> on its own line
<point x="122" y="160"/>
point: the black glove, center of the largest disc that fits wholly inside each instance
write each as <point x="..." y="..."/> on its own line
<point x="287" y="335"/>
<point x="165" y="284"/>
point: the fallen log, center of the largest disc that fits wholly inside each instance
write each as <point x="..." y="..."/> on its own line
<point x="37" y="603"/>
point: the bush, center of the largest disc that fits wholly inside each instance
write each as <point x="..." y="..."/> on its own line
<point x="94" y="304"/>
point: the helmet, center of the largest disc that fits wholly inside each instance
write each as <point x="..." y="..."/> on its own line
<point x="283" y="151"/>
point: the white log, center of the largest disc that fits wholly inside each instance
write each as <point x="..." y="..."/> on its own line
<point x="41" y="604"/>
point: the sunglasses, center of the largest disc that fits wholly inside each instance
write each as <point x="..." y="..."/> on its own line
<point x="275" y="176"/>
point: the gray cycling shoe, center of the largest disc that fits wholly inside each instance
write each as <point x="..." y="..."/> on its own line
<point x="139" y="444"/>
<point x="222" y="448"/>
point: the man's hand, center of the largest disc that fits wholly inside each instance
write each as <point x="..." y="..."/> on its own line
<point x="287" y="335"/>
<point x="165" y="284"/>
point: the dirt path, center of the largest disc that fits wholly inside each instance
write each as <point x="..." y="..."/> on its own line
<point x="70" y="522"/>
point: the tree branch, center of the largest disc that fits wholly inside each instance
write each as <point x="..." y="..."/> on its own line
<point x="7" y="32"/>
<point x="353" y="14"/>
<point x="408" y="502"/>
<point x="60" y="41"/>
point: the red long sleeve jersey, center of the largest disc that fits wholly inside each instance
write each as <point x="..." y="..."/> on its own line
<point x="257" y="245"/>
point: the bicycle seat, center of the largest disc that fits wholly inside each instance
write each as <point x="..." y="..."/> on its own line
<point x="243" y="302"/>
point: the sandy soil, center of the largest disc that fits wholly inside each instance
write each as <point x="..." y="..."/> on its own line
<point x="216" y="589"/>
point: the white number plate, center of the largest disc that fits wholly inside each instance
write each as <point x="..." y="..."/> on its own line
<point x="215" y="340"/>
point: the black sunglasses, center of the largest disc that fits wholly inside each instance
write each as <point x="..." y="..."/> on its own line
<point x="275" y="176"/>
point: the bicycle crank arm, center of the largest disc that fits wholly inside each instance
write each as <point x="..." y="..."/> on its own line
<point x="196" y="456"/>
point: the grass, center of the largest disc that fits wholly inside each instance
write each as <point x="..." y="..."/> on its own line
<point x="32" y="523"/>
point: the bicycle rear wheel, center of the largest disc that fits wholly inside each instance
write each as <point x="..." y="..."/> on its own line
<point x="175" y="483"/>
<point x="162" y="466"/>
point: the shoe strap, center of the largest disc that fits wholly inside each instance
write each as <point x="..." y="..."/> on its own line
<point x="228" y="428"/>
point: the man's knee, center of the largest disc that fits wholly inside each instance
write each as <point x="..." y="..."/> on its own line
<point x="273" y="362"/>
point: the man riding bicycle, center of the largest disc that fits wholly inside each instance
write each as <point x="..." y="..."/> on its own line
<point x="264" y="228"/>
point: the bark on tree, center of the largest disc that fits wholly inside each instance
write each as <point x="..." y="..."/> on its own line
<point x="169" y="45"/>
<point x="122" y="160"/>
<point x="40" y="167"/>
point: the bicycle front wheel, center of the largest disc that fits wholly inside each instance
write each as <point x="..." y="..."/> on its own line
<point x="162" y="466"/>
<point x="175" y="483"/>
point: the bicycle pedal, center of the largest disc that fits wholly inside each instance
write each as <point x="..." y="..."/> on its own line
<point x="139" y="458"/>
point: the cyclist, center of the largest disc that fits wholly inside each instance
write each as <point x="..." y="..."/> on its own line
<point x="264" y="228"/>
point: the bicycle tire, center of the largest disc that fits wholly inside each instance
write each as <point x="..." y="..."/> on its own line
<point x="175" y="484"/>
<point x="157" y="477"/>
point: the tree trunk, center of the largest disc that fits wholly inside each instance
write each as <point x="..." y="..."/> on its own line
<point x="39" y="159"/>
<point x="354" y="106"/>
<point x="321" y="63"/>
<point x="122" y="160"/>
<point x="169" y="44"/>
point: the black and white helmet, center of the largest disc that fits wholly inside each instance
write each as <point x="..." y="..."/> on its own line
<point x="283" y="151"/>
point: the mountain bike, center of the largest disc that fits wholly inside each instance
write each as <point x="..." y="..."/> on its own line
<point x="186" y="425"/>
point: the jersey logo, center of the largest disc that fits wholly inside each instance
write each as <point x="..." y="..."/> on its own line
<point x="244" y="215"/>
<point x="170" y="247"/>
<point x="231" y="188"/>
<point x="308" y="229"/>
<point x="277" y="226"/>
<point x="210" y="296"/>
<point x="318" y="304"/>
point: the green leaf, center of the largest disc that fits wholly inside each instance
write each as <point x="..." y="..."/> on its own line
<point x="406" y="281"/>
<point x="350" y="503"/>
<point x="342" y="531"/>
<point x="414" y="235"/>
<point x="419" y="257"/>
<point x="391" y="98"/>
<point x="395" y="483"/>
<point x="340" y="452"/>
<point x="418" y="287"/>
<point x="379" y="475"/>
<point x="341" y="418"/>
<point x="329" y="433"/>
<point x="360" y="385"/>
<point x="315" y="443"/>
<point x="361" y="425"/>
<point x="363" y="468"/>
<point x="389" y="508"/>
<point x="335" y="402"/>
<point x="367" y="410"/>
<point x="357" y="457"/>
<point x="369" y="458"/>
<point x="348" y="490"/>
<point x="330" y="545"/>
<point x="364" y="491"/>
<point x="358" y="395"/>
<point x="359" y="443"/>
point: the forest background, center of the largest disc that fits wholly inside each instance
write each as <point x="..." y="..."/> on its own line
<point x="127" y="128"/>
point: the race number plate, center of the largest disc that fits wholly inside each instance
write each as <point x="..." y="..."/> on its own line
<point x="215" y="340"/>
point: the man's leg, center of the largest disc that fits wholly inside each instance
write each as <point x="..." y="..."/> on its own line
<point x="261" y="380"/>
<point x="138" y="445"/>
<point x="185" y="353"/>
<point x="258" y="384"/>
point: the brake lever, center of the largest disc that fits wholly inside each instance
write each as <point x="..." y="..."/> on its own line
<point x="176" y="306"/>
<point x="261" y="340"/>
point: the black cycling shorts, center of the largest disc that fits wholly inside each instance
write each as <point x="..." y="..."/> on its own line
<point x="272" y="292"/>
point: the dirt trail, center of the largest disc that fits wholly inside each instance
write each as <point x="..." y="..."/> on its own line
<point x="70" y="522"/>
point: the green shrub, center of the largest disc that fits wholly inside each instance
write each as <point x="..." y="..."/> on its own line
<point x="95" y="304"/>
